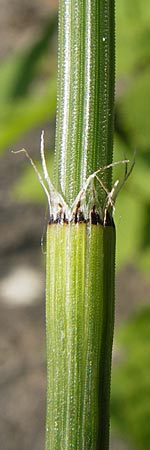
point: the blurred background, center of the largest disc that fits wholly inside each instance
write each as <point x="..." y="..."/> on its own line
<point x="28" y="52"/>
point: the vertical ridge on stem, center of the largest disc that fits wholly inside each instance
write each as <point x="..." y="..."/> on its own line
<point x="79" y="336"/>
<point x="80" y="253"/>
<point x="85" y="109"/>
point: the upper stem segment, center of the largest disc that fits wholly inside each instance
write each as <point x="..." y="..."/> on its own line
<point x="85" y="107"/>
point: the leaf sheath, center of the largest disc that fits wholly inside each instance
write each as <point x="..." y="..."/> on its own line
<point x="79" y="312"/>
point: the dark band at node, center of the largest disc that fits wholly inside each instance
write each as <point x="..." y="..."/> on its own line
<point x="78" y="217"/>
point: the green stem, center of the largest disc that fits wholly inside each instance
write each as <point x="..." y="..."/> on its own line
<point x="80" y="316"/>
<point x="81" y="253"/>
<point x="85" y="107"/>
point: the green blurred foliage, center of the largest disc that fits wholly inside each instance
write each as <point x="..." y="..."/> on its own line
<point x="132" y="130"/>
<point x="130" y="410"/>
<point x="130" y="404"/>
<point x="132" y="214"/>
<point x="28" y="88"/>
<point x="28" y="185"/>
<point x="132" y="35"/>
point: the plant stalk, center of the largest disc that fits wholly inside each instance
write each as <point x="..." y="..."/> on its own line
<point x="81" y="252"/>
<point x="79" y="322"/>
<point x="85" y="99"/>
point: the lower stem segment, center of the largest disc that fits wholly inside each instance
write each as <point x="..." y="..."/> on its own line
<point x="79" y="333"/>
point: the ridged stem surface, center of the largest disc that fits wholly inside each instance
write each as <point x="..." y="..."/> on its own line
<point x="85" y="108"/>
<point x="80" y="317"/>
<point x="81" y="256"/>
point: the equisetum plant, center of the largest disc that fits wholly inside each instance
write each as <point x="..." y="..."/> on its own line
<point x="80" y="252"/>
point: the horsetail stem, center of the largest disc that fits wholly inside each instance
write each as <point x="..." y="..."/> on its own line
<point x="81" y="252"/>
